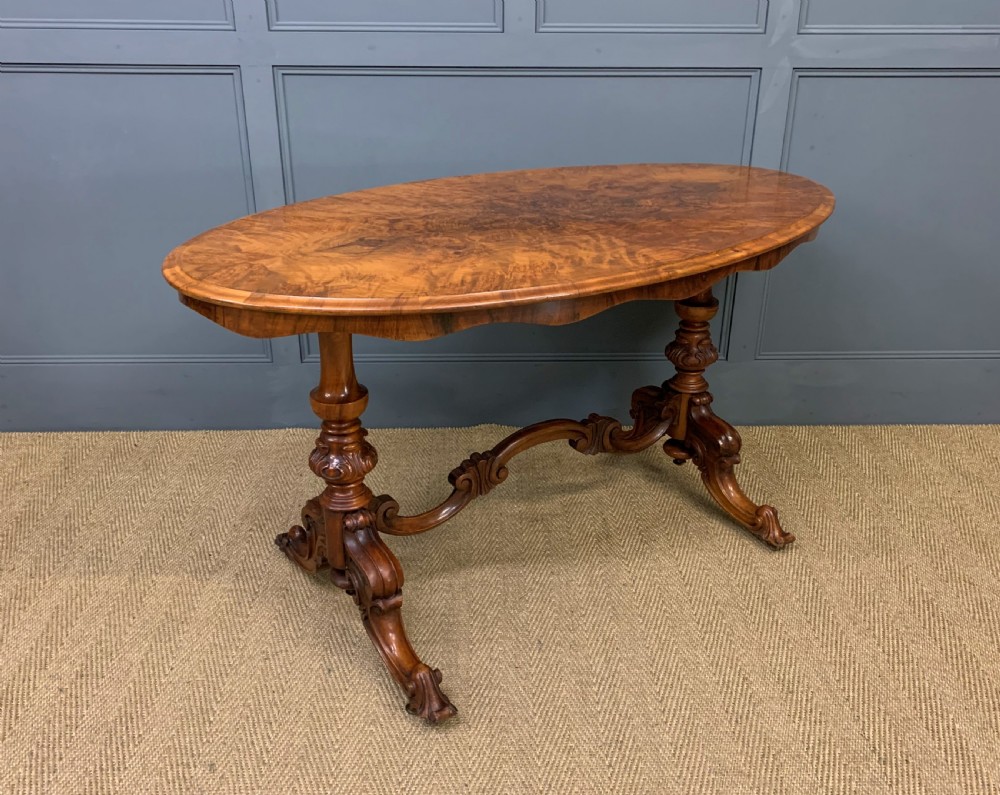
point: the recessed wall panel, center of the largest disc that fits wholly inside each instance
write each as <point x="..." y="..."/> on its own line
<point x="898" y="271"/>
<point x="651" y="16"/>
<point x="899" y="16"/>
<point x="387" y="15"/>
<point x="105" y="170"/>
<point x="118" y="14"/>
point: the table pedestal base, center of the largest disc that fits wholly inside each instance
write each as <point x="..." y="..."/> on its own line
<point x="340" y="528"/>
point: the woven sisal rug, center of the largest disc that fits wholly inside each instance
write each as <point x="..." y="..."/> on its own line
<point x="601" y="626"/>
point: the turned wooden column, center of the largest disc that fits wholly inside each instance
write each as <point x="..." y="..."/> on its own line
<point x="691" y="353"/>
<point x="342" y="457"/>
<point x="339" y="528"/>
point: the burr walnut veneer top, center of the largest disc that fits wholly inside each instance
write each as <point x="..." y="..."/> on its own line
<point x="491" y="241"/>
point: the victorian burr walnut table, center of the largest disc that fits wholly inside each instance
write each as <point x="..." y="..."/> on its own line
<point x="416" y="261"/>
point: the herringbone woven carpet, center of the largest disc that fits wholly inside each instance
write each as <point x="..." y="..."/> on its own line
<point x="601" y="626"/>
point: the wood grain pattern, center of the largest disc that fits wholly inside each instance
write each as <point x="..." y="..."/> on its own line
<point x="550" y="246"/>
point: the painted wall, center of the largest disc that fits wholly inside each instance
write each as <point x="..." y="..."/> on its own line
<point x="126" y="128"/>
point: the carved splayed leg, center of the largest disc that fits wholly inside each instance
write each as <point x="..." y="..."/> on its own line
<point x="338" y="528"/>
<point x="714" y="447"/>
<point x="376" y="582"/>
<point x="698" y="434"/>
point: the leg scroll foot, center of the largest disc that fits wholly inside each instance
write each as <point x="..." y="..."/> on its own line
<point x="426" y="699"/>
<point x="376" y="581"/>
<point x="714" y="447"/>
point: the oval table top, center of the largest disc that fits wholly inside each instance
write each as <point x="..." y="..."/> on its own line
<point x="546" y="246"/>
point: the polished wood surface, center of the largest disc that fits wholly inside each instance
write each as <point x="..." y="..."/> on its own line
<point x="550" y="246"/>
<point x="425" y="259"/>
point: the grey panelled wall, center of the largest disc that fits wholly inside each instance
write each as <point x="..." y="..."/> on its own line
<point x="126" y="128"/>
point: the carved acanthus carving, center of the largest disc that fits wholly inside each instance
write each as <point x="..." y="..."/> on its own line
<point x="597" y="436"/>
<point x="478" y="474"/>
<point x="306" y="543"/>
<point x="425" y="696"/>
<point x="650" y="405"/>
<point x="652" y="412"/>
<point x="690" y="351"/>
<point x="342" y="457"/>
<point x="342" y="454"/>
